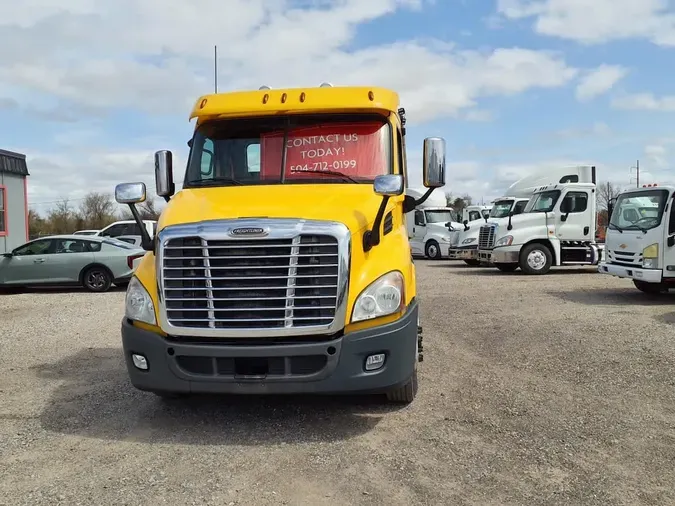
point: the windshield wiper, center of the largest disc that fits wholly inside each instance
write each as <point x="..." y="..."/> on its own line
<point x="615" y="227"/>
<point x="331" y="173"/>
<point x="215" y="180"/>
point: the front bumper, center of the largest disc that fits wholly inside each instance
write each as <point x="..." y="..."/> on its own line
<point x="467" y="253"/>
<point x="638" y="273"/>
<point x="336" y="366"/>
<point x="506" y="255"/>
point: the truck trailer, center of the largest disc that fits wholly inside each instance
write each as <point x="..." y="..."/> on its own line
<point x="283" y="264"/>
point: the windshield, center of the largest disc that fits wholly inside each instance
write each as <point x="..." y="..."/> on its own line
<point x="319" y="149"/>
<point x="440" y="216"/>
<point x="501" y="209"/>
<point x="543" y="202"/>
<point x="639" y="210"/>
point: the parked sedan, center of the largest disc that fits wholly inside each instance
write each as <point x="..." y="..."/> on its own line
<point x="91" y="261"/>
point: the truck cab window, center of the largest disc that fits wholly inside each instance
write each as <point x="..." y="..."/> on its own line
<point x="574" y="202"/>
<point x="671" y="219"/>
<point x="253" y="157"/>
<point x="519" y="207"/>
<point x="419" y="219"/>
<point x="474" y="215"/>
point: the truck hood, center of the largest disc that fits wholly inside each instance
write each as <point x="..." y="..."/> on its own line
<point x="627" y="246"/>
<point x="520" y="222"/>
<point x="355" y="205"/>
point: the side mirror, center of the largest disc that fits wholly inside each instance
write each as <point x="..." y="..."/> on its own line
<point x="465" y="222"/>
<point x="164" y="174"/>
<point x="389" y="185"/>
<point x="130" y="193"/>
<point x="433" y="163"/>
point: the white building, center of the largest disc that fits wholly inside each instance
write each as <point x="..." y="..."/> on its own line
<point x="13" y="200"/>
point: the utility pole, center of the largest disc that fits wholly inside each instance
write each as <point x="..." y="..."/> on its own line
<point x="215" y="68"/>
<point x="637" y="173"/>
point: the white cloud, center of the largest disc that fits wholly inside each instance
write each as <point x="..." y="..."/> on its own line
<point x="644" y="102"/>
<point x="599" y="81"/>
<point x="597" y="21"/>
<point x="139" y="54"/>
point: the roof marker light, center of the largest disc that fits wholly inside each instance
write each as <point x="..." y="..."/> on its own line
<point x="325" y="85"/>
<point x="264" y="87"/>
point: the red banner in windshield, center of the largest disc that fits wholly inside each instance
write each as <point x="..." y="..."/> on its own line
<point x="357" y="150"/>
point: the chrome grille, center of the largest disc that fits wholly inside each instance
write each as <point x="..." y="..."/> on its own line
<point x="281" y="277"/>
<point x="486" y="236"/>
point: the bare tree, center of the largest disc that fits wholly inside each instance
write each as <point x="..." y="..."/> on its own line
<point x="148" y="210"/>
<point x="97" y="211"/>
<point x="606" y="192"/>
<point x="62" y="218"/>
<point x="448" y="197"/>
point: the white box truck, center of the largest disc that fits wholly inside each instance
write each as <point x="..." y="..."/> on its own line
<point x="640" y="238"/>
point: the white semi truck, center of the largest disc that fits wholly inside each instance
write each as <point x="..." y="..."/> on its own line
<point x="640" y="238"/>
<point x="430" y="223"/>
<point x="464" y="242"/>
<point x="557" y="227"/>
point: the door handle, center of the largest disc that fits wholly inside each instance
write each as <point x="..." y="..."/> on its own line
<point x="39" y="261"/>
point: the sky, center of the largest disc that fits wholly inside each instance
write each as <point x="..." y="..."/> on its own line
<point x="90" y="89"/>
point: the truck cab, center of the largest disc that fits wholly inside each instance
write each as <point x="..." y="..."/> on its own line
<point x="283" y="264"/>
<point x="640" y="238"/>
<point x="557" y="227"/>
<point x="430" y="224"/>
<point x="464" y="242"/>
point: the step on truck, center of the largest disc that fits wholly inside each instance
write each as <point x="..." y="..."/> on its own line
<point x="557" y="227"/>
<point x="283" y="264"/>
<point x="640" y="238"/>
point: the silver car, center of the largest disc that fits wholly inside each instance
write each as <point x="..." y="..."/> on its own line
<point x="91" y="261"/>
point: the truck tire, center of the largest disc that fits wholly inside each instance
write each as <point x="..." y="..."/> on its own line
<point x="472" y="263"/>
<point x="535" y="258"/>
<point x="432" y="250"/>
<point x="652" y="288"/>
<point x="507" y="267"/>
<point x="406" y="393"/>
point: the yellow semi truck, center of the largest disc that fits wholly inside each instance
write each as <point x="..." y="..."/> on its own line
<point x="283" y="264"/>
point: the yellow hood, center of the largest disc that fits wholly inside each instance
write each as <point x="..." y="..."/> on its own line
<point x="355" y="205"/>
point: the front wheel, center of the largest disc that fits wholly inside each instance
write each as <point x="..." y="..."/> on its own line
<point x="652" y="288"/>
<point x="433" y="250"/>
<point x="535" y="258"/>
<point x="406" y="393"/>
<point x="472" y="263"/>
<point x="97" y="279"/>
<point x="507" y="267"/>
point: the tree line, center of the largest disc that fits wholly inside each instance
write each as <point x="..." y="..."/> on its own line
<point x="95" y="211"/>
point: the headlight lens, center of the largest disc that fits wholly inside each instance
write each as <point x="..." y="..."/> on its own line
<point x="504" y="241"/>
<point x="651" y="251"/>
<point x="138" y="304"/>
<point x="382" y="297"/>
<point x="469" y="240"/>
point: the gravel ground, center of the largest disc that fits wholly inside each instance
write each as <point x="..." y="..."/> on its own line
<point x="534" y="390"/>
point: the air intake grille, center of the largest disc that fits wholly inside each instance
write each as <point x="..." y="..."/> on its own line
<point x="486" y="236"/>
<point x="252" y="283"/>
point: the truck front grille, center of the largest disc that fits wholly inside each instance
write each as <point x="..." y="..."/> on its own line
<point x="486" y="236"/>
<point x="627" y="258"/>
<point x="265" y="283"/>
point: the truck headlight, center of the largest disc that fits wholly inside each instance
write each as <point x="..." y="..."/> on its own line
<point x="469" y="240"/>
<point x="382" y="297"/>
<point x="504" y="241"/>
<point x="138" y="304"/>
<point x="650" y="256"/>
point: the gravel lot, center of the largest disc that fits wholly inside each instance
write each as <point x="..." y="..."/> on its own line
<point x="537" y="390"/>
